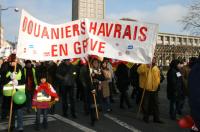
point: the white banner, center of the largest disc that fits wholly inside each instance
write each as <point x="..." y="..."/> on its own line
<point x="123" y="40"/>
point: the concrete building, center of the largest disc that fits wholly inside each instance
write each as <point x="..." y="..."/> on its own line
<point x="3" y="43"/>
<point x="171" y="46"/>
<point x="1" y="37"/>
<point x="88" y="9"/>
<point x="5" y="46"/>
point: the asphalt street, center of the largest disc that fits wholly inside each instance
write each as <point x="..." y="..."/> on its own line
<point x="119" y="120"/>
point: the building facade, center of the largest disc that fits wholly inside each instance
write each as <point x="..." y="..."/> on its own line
<point x="1" y="37"/>
<point x="174" y="46"/>
<point x="3" y="42"/>
<point x="88" y="9"/>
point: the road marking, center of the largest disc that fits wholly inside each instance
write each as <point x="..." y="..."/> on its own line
<point x="26" y="122"/>
<point x="30" y="120"/>
<point x="72" y="123"/>
<point x="121" y="123"/>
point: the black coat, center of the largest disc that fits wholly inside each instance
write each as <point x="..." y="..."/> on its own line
<point x="174" y="85"/>
<point x="7" y="68"/>
<point x="3" y="71"/>
<point x="85" y="78"/>
<point x="134" y="76"/>
<point x="40" y="70"/>
<point x="51" y="73"/>
<point x="194" y="90"/>
<point x="122" y="76"/>
<point x="66" y="74"/>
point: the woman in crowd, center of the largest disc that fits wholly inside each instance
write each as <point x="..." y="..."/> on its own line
<point x="105" y="86"/>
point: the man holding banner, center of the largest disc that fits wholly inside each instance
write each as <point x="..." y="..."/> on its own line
<point x="66" y="74"/>
<point x="149" y="81"/>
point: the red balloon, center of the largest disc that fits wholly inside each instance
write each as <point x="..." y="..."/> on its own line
<point x="186" y="122"/>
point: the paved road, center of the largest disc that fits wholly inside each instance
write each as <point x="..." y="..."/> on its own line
<point x="116" y="121"/>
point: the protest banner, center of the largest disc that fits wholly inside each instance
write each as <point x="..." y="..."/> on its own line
<point x="122" y="40"/>
<point x="41" y="41"/>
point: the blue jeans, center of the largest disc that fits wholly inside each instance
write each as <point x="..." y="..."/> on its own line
<point x="29" y="96"/>
<point x="124" y="97"/>
<point x="175" y="107"/>
<point x="19" y="113"/>
<point x="45" y="112"/>
<point x="106" y="103"/>
<point x="17" y="116"/>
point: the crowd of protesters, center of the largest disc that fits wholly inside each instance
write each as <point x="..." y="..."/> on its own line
<point x="183" y="83"/>
<point x="94" y="84"/>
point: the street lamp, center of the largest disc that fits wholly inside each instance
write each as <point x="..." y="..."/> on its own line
<point x="3" y="9"/>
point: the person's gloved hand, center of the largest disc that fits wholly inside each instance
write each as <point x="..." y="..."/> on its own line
<point x="13" y="76"/>
<point x="15" y="82"/>
<point x="93" y="91"/>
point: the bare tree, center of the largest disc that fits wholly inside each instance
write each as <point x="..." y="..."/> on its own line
<point x="191" y="22"/>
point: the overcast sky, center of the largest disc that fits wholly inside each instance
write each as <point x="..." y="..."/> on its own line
<point x="166" y="13"/>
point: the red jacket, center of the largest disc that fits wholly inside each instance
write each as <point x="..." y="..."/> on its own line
<point x="44" y="96"/>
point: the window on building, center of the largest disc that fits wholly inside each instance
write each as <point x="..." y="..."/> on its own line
<point x="167" y="38"/>
<point x="184" y="41"/>
<point x="196" y="41"/>
<point x="100" y="2"/>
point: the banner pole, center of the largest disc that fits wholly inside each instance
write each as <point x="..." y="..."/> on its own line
<point x="141" y="101"/>
<point x="11" y="102"/>
<point x="143" y="93"/>
<point x="95" y="104"/>
<point x="93" y="93"/>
